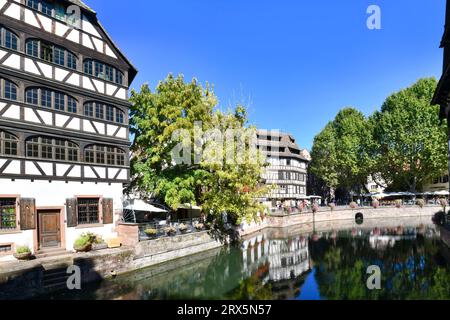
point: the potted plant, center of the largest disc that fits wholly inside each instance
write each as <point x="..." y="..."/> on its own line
<point x="151" y="233"/>
<point x="83" y="243"/>
<point x="99" y="244"/>
<point x="353" y="205"/>
<point x="443" y="202"/>
<point x="375" y="204"/>
<point x="398" y="203"/>
<point x="421" y="203"/>
<point x="183" y="228"/>
<point x="170" y="231"/>
<point x="332" y="206"/>
<point x="23" y="253"/>
<point x="199" y="226"/>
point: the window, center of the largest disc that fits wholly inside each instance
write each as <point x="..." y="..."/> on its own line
<point x="8" y="39"/>
<point x="47" y="8"/>
<point x="52" y="149"/>
<point x="48" y="99"/>
<point x="59" y="55"/>
<point x="59" y="101"/>
<point x="60" y="12"/>
<point x="33" y="48"/>
<point x="8" y="144"/>
<point x="8" y="213"/>
<point x="119" y="116"/>
<point x="34" y="4"/>
<point x="89" y="110"/>
<point x="99" y="113"/>
<point x="51" y="53"/>
<point x="71" y="105"/>
<point x="104" y="112"/>
<point x="104" y="155"/>
<point x="88" y="210"/>
<point x="103" y="71"/>
<point x="8" y="90"/>
<point x="32" y="96"/>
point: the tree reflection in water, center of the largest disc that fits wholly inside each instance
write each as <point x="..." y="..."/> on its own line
<point x="273" y="265"/>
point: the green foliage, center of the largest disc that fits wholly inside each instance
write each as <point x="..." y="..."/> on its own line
<point x="151" y="232"/>
<point x="410" y="144"/>
<point x="339" y="153"/>
<point x="83" y="241"/>
<point x="215" y="185"/>
<point x="404" y="144"/>
<point x="23" y="250"/>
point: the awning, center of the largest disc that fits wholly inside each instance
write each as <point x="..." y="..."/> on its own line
<point x="141" y="205"/>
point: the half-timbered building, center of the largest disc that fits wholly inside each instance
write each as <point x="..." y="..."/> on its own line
<point x="64" y="136"/>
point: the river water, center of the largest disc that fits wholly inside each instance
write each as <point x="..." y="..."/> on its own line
<point x="307" y="262"/>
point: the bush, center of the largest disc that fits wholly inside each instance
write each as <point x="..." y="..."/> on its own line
<point x="23" y="250"/>
<point x="315" y="208"/>
<point x="353" y="205"/>
<point x="375" y="204"/>
<point x="398" y="203"/>
<point x="182" y="227"/>
<point x="332" y="206"/>
<point x="83" y="241"/>
<point x="421" y="203"/>
<point x="151" y="232"/>
<point x="443" y="202"/>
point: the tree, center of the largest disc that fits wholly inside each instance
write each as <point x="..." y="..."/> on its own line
<point x="167" y="121"/>
<point x="339" y="153"/>
<point x="410" y="144"/>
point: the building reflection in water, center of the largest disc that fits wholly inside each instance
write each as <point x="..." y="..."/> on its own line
<point x="282" y="264"/>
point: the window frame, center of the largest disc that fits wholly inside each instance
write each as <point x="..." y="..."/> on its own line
<point x="4" y="140"/>
<point x="92" y="205"/>
<point x="41" y="146"/>
<point x="101" y="154"/>
<point x="16" y="213"/>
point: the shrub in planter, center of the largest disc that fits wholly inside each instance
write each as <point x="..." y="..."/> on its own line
<point x="199" y="226"/>
<point x="421" y="203"/>
<point x="183" y="228"/>
<point x="315" y="208"/>
<point x="398" y="203"/>
<point x="170" y="231"/>
<point x="151" y="232"/>
<point x="353" y="205"/>
<point x="23" y="253"/>
<point x="83" y="243"/>
<point x="332" y="206"/>
<point x="375" y="204"/>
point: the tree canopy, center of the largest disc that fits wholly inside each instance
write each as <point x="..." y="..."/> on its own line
<point x="180" y="120"/>
<point x="404" y="144"/>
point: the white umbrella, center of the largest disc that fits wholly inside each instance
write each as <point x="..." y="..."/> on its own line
<point x="141" y="205"/>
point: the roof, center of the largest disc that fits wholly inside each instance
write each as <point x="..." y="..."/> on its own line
<point x="133" y="72"/>
<point x="81" y="4"/>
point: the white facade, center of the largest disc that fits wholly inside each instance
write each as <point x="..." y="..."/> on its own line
<point x="53" y="195"/>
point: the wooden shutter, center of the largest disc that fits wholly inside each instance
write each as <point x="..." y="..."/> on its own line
<point x="72" y="212"/>
<point x="27" y="213"/>
<point x="108" y="211"/>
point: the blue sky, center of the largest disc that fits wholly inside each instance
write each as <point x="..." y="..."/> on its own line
<point x="295" y="64"/>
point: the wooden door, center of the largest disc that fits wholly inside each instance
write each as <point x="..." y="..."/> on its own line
<point x="49" y="229"/>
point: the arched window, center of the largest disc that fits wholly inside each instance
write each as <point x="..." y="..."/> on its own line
<point x="103" y="71"/>
<point x="52" y="149"/>
<point x="49" y="8"/>
<point x="51" y="53"/>
<point x="100" y="154"/>
<point x="8" y="39"/>
<point x="51" y="99"/>
<point x="103" y="111"/>
<point x="8" y="89"/>
<point x="8" y="144"/>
